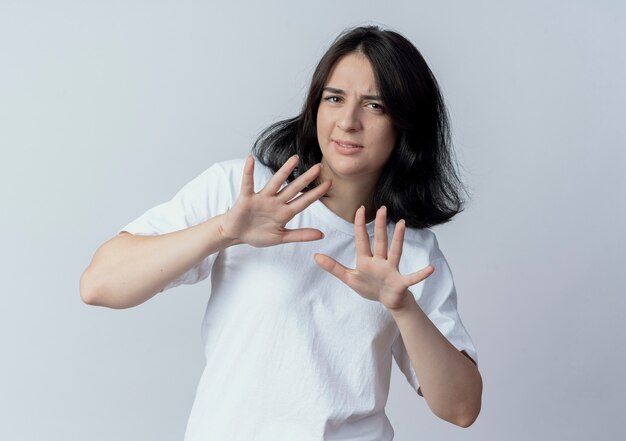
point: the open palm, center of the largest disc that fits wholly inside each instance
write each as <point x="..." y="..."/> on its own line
<point x="376" y="276"/>
<point x="259" y="219"/>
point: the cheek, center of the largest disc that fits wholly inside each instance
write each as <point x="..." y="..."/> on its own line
<point x="322" y="127"/>
<point x="322" y="117"/>
<point x="387" y="138"/>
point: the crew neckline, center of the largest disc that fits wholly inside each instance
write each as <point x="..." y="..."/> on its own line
<point x="320" y="210"/>
<point x="327" y="215"/>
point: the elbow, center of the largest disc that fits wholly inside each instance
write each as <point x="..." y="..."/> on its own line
<point x="466" y="420"/>
<point x="100" y="282"/>
<point x="463" y="417"/>
<point x="98" y="291"/>
<point x="87" y="288"/>
<point x="468" y="408"/>
<point x="90" y="288"/>
<point x="466" y="414"/>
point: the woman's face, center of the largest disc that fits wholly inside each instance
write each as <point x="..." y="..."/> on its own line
<point x="354" y="131"/>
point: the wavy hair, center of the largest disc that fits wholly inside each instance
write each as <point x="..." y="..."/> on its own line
<point x="419" y="183"/>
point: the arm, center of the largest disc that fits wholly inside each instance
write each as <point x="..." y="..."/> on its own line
<point x="450" y="382"/>
<point x="128" y="270"/>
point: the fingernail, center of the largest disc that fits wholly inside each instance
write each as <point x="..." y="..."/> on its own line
<point x="296" y="156"/>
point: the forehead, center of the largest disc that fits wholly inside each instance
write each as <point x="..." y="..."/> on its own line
<point x="353" y="72"/>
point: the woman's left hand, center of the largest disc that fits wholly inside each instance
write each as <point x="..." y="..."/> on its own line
<point x="376" y="276"/>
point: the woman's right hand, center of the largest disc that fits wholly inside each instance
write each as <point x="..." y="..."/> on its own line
<point x="259" y="219"/>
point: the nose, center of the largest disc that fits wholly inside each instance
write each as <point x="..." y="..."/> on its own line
<point x="349" y="120"/>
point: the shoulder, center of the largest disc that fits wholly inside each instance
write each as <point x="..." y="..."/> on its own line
<point x="424" y="240"/>
<point x="232" y="171"/>
<point x="225" y="176"/>
<point x="227" y="167"/>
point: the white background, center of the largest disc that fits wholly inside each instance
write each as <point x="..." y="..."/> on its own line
<point x="108" y="108"/>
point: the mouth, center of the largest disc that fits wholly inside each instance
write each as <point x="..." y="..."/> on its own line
<point x="347" y="144"/>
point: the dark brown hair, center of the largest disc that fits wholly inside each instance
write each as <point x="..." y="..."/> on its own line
<point x="419" y="183"/>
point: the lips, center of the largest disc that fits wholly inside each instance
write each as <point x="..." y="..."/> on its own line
<point x="347" y="144"/>
<point x="347" y="147"/>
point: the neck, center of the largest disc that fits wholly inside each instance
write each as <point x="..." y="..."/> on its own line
<point x="346" y="196"/>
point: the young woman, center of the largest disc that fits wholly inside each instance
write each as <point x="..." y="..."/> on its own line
<point x="322" y="263"/>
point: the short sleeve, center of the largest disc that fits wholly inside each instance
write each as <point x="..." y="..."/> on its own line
<point x="437" y="297"/>
<point x="204" y="197"/>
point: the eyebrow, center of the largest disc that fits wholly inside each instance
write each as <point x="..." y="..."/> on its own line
<point x="341" y="92"/>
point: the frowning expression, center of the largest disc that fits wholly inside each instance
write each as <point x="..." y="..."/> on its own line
<point x="354" y="131"/>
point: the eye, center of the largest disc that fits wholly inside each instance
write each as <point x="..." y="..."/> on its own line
<point x="332" y="98"/>
<point x="376" y="106"/>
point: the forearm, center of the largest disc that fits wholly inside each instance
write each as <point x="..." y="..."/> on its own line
<point x="128" y="269"/>
<point x="450" y="382"/>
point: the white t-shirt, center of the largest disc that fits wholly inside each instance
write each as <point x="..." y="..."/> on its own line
<point x="291" y="352"/>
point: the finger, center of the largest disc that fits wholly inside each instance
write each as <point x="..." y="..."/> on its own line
<point x="280" y="176"/>
<point x="293" y="188"/>
<point x="418" y="276"/>
<point x="302" y="235"/>
<point x="380" y="233"/>
<point x="332" y="266"/>
<point x="301" y="202"/>
<point x="247" y="181"/>
<point x="361" y="238"/>
<point x="397" y="240"/>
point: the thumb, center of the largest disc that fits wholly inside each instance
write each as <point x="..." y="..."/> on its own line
<point x="332" y="266"/>
<point x="420" y="275"/>
<point x="302" y="235"/>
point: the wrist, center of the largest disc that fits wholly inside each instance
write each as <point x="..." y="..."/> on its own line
<point x="224" y="237"/>
<point x="407" y="306"/>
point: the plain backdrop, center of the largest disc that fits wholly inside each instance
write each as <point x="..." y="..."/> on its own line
<point x="108" y="108"/>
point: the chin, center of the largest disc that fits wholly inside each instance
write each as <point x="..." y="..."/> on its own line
<point x="344" y="170"/>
